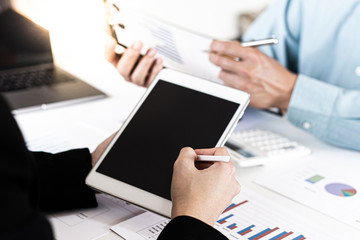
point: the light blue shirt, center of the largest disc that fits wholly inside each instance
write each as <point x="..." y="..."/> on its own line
<point x="320" y="41"/>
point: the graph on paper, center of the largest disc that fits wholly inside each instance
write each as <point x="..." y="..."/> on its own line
<point x="248" y="217"/>
<point x="328" y="185"/>
<point x="340" y="189"/>
<point x="253" y="219"/>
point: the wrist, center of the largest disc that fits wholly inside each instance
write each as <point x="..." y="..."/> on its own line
<point x="284" y="98"/>
<point x="198" y="213"/>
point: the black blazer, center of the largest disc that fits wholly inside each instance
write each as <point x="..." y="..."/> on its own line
<point x="36" y="182"/>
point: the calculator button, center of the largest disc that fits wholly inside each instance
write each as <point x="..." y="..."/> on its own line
<point x="265" y="145"/>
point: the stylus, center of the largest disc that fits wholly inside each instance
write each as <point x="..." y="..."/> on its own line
<point x="212" y="158"/>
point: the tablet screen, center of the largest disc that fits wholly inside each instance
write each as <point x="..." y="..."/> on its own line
<point x="170" y="118"/>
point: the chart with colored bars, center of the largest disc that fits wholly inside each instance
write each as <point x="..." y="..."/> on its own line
<point x="254" y="219"/>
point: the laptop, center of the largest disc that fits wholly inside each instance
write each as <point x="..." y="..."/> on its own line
<point x="29" y="78"/>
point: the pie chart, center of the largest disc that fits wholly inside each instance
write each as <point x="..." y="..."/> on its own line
<point x="340" y="189"/>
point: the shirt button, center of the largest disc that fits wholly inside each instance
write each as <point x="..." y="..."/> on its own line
<point x="306" y="125"/>
<point x="357" y="71"/>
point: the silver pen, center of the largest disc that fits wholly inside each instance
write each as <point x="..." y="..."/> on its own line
<point x="260" y="42"/>
<point x="252" y="43"/>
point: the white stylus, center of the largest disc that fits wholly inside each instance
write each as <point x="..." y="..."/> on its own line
<point x="212" y="158"/>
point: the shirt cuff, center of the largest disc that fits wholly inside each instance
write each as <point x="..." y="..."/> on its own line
<point x="311" y="105"/>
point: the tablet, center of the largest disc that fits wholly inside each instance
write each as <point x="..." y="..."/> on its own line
<point x="177" y="110"/>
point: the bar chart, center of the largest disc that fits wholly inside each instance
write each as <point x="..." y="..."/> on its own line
<point x="249" y="217"/>
<point x="259" y="235"/>
<point x="248" y="231"/>
<point x="233" y="205"/>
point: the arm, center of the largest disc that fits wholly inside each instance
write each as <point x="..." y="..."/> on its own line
<point x="268" y="73"/>
<point x="18" y="183"/>
<point x="62" y="180"/>
<point x="301" y="86"/>
<point x="28" y="180"/>
<point x="329" y="112"/>
<point x="189" y="228"/>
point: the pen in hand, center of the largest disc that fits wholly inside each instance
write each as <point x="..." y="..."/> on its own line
<point x="260" y="42"/>
<point x="253" y="43"/>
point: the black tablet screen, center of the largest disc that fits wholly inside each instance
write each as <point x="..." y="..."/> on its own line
<point x="171" y="117"/>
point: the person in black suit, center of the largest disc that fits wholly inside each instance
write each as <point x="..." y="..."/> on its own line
<point x="35" y="182"/>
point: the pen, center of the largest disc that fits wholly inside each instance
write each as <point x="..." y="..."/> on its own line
<point x="253" y="43"/>
<point x="260" y="42"/>
<point x="212" y="158"/>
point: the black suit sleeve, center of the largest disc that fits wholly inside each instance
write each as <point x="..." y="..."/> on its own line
<point x="27" y="179"/>
<point x="189" y="228"/>
<point x="62" y="180"/>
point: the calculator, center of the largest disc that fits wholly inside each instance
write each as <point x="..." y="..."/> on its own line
<point x="258" y="147"/>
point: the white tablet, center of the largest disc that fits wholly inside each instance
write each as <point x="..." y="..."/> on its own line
<point x="178" y="110"/>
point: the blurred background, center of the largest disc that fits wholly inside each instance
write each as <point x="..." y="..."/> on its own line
<point x="78" y="28"/>
<point x="215" y="18"/>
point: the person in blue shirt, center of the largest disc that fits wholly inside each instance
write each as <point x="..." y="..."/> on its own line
<point x="312" y="75"/>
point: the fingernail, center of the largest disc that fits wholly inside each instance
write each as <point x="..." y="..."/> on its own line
<point x="159" y="61"/>
<point x="136" y="45"/>
<point x="151" y="52"/>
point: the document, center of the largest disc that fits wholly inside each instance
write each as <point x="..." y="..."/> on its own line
<point x="329" y="182"/>
<point x="248" y="217"/>
<point x="92" y="223"/>
<point x="51" y="142"/>
<point x="147" y="225"/>
<point x="181" y="50"/>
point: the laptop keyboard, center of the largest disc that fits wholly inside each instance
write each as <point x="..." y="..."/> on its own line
<point x="29" y="79"/>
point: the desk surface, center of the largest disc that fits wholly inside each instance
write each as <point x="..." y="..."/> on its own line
<point x="92" y="122"/>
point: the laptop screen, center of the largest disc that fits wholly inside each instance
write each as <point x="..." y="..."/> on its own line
<point x="22" y="42"/>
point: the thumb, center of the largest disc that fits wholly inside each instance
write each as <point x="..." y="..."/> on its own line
<point x="187" y="156"/>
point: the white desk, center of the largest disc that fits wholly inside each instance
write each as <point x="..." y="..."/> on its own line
<point x="90" y="123"/>
<point x="90" y="131"/>
<point x="259" y="119"/>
